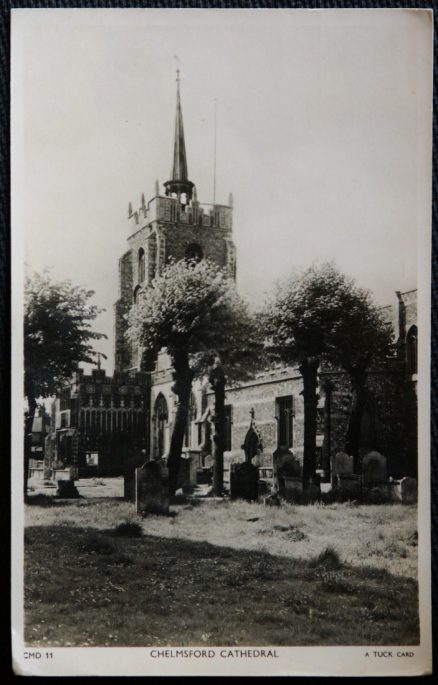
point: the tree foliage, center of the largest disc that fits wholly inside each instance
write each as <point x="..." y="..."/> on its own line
<point x="322" y="314"/>
<point x="193" y="307"/>
<point x="57" y="332"/>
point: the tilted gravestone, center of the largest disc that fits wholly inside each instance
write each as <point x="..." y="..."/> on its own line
<point x="152" y="488"/>
<point x="244" y="481"/>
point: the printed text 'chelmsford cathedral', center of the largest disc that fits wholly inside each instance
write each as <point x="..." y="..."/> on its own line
<point x="102" y="423"/>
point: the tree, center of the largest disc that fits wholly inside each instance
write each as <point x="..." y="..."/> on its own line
<point x="193" y="310"/>
<point x="57" y="336"/>
<point x="363" y="338"/>
<point x="322" y="316"/>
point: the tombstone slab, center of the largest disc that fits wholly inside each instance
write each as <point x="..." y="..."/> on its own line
<point x="408" y="487"/>
<point x="244" y="481"/>
<point x="152" y="488"/>
<point x="373" y="468"/>
<point x="342" y="463"/>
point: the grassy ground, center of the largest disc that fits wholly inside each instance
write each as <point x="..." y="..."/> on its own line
<point x="219" y="573"/>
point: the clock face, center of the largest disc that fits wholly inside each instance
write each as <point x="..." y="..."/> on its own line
<point x="194" y="251"/>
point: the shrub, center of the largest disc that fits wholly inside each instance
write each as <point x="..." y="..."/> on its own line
<point x="128" y="529"/>
<point x="328" y="558"/>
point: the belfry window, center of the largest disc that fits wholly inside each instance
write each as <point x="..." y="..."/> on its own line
<point x="141" y="265"/>
<point x="411" y="351"/>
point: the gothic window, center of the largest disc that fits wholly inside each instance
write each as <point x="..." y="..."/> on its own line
<point x="285" y="421"/>
<point x="135" y="295"/>
<point x="228" y="424"/>
<point x="194" y="252"/>
<point x="141" y="265"/>
<point x="191" y="416"/>
<point x="411" y="351"/>
<point x="161" y="417"/>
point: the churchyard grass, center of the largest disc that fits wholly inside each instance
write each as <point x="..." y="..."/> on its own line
<point x="219" y="572"/>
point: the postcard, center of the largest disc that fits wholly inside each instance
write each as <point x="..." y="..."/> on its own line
<point x="221" y="231"/>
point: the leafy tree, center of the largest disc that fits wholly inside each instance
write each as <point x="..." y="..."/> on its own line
<point x="322" y="316"/>
<point x="57" y="336"/>
<point x="192" y="309"/>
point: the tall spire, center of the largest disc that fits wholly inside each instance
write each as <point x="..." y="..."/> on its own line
<point x="179" y="182"/>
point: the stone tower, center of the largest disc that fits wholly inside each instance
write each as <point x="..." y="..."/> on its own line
<point x="170" y="225"/>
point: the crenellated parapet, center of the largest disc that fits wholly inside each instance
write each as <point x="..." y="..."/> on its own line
<point x="170" y="211"/>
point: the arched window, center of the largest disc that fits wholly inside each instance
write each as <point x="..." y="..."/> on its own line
<point x="141" y="265"/>
<point x="191" y="417"/>
<point x="161" y="417"/>
<point x="194" y="252"/>
<point x="135" y="294"/>
<point x="411" y="351"/>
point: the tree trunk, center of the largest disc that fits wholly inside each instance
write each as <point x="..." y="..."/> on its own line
<point x="29" y="391"/>
<point x="183" y="377"/>
<point x="217" y="381"/>
<point x="357" y="377"/>
<point x="309" y="372"/>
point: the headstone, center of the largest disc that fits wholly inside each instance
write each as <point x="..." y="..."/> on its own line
<point x="285" y="465"/>
<point x="373" y="468"/>
<point x="342" y="463"/>
<point x="129" y="475"/>
<point x="187" y="473"/>
<point x="408" y="488"/>
<point x="244" y="481"/>
<point x="152" y="488"/>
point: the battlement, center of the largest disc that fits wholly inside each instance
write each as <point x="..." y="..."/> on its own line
<point x="168" y="210"/>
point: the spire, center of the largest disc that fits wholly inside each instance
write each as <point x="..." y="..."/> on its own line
<point x="179" y="182"/>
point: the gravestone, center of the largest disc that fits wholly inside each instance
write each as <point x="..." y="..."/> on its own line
<point x="287" y="474"/>
<point x="408" y="487"/>
<point x="244" y="481"/>
<point x="342" y="463"/>
<point x="129" y="475"/>
<point x="373" y="469"/>
<point x="152" y="488"/>
<point x="186" y="473"/>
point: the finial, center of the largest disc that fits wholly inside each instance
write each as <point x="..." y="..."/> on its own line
<point x="157" y="187"/>
<point x="129" y="210"/>
<point x="143" y="203"/>
<point x="252" y="413"/>
<point x="195" y="194"/>
<point x="98" y="361"/>
<point x="230" y="199"/>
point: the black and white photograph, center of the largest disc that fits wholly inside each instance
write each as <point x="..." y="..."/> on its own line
<point x="221" y="230"/>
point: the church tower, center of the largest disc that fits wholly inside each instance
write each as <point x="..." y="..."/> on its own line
<point x="172" y="225"/>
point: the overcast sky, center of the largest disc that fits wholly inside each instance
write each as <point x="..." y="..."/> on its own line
<point x="322" y="137"/>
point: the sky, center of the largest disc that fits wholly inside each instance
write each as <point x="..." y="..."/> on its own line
<point x="323" y="137"/>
